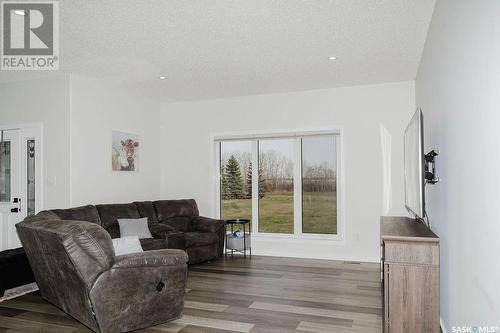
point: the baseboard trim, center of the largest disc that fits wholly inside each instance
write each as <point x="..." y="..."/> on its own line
<point x="339" y="258"/>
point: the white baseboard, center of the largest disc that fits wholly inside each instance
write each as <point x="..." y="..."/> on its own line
<point x="312" y="256"/>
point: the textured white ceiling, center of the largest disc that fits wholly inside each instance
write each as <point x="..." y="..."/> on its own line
<point x="222" y="48"/>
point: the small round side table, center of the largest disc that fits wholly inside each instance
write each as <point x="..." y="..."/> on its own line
<point x="238" y="244"/>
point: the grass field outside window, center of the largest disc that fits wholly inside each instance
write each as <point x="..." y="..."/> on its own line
<point x="276" y="218"/>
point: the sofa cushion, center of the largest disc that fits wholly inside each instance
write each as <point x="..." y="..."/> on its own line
<point x="194" y="239"/>
<point x="113" y="231"/>
<point x="166" y="209"/>
<point x="149" y="244"/>
<point x="85" y="213"/>
<point x="110" y="213"/>
<point x="176" y="240"/>
<point x="161" y="230"/>
<point x="135" y="227"/>
<point x="179" y="223"/>
<point x="146" y="209"/>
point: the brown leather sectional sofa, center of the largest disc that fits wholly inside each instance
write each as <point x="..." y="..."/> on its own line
<point x="74" y="263"/>
<point x="174" y="224"/>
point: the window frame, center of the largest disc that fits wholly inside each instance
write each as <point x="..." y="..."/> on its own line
<point x="297" y="135"/>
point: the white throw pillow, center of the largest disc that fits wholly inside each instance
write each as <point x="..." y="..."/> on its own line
<point x="126" y="245"/>
<point x="134" y="227"/>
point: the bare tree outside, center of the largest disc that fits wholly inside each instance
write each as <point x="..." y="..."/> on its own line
<point x="276" y="208"/>
<point x="319" y="185"/>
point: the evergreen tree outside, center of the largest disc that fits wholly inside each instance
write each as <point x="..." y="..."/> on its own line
<point x="223" y="183"/>
<point x="248" y="192"/>
<point x="262" y="190"/>
<point x="232" y="183"/>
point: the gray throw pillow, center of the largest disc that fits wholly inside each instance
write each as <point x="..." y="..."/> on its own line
<point x="134" y="227"/>
<point x="126" y="245"/>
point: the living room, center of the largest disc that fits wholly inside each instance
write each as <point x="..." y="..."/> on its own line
<point x="241" y="155"/>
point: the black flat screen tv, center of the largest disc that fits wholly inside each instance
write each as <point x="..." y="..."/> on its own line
<point x="414" y="166"/>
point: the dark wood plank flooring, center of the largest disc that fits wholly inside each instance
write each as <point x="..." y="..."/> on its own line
<point x="258" y="295"/>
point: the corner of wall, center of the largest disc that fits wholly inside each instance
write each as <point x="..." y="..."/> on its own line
<point x="70" y="84"/>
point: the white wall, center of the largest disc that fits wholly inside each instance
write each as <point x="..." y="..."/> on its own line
<point x="187" y="160"/>
<point x="78" y="115"/>
<point x="46" y="101"/>
<point x="458" y="89"/>
<point x="96" y="110"/>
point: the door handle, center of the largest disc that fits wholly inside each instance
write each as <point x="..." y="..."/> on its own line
<point x="18" y="201"/>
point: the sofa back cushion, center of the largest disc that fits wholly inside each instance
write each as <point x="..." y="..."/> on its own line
<point x="84" y="213"/>
<point x="110" y="214"/>
<point x="146" y="209"/>
<point x="42" y="216"/>
<point x="89" y="247"/>
<point x="166" y="209"/>
<point x="179" y="223"/>
<point x="60" y="252"/>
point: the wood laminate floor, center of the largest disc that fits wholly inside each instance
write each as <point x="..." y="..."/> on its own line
<point x="258" y="295"/>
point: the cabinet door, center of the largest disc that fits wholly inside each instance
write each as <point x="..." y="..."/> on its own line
<point x="413" y="298"/>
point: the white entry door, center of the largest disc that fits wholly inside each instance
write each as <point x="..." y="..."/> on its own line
<point x="11" y="203"/>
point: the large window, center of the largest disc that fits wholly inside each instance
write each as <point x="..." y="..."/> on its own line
<point x="284" y="184"/>
<point x="276" y="191"/>
<point x="319" y="185"/>
<point x="236" y="179"/>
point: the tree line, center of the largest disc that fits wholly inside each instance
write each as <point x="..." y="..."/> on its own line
<point x="275" y="175"/>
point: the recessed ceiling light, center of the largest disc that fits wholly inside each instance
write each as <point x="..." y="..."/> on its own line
<point x="332" y="58"/>
<point x="19" y="12"/>
<point x="162" y="77"/>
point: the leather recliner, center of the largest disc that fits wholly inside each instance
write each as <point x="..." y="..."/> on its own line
<point x="76" y="269"/>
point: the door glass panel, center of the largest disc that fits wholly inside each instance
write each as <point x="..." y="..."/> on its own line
<point x="276" y="189"/>
<point x="319" y="185"/>
<point x="5" y="171"/>
<point x="30" y="177"/>
<point x="236" y="179"/>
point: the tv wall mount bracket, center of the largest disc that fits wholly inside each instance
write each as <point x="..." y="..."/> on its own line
<point x="430" y="167"/>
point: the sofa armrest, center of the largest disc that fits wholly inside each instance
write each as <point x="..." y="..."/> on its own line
<point x="206" y="224"/>
<point x="151" y="258"/>
<point x="140" y="290"/>
<point x="160" y="230"/>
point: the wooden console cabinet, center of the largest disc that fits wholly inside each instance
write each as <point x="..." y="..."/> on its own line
<point x="410" y="274"/>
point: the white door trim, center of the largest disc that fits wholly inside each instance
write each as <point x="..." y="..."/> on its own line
<point x="31" y="131"/>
